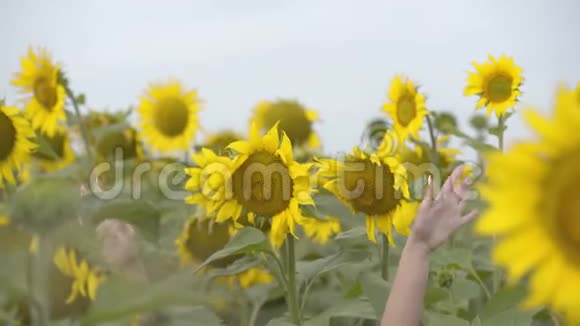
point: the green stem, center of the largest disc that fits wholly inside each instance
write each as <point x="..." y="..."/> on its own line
<point x="431" y="132"/>
<point x="244" y="313"/>
<point x="385" y="258"/>
<point x="497" y="274"/>
<point x="292" y="293"/>
<point x="84" y="129"/>
<point x="433" y="139"/>
<point x="501" y="127"/>
<point x="473" y="273"/>
<point x="255" y="311"/>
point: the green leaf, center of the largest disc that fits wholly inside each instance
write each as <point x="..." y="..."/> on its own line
<point x="310" y="269"/>
<point x="44" y="148"/>
<point x="81" y="99"/>
<point x="282" y="321"/>
<point x="435" y="295"/>
<point x="458" y="257"/>
<point x="502" y="309"/>
<point x="13" y="272"/>
<point x="238" y="266"/>
<point x="353" y="238"/>
<point x="496" y="130"/>
<point x="465" y="289"/>
<point x="478" y="122"/>
<point x="354" y="233"/>
<point x="328" y="204"/>
<point x="504" y="299"/>
<point x="46" y="203"/>
<point x="247" y="240"/>
<point x="140" y="213"/>
<point x="479" y="145"/>
<point x="376" y="290"/>
<point x="356" y="308"/>
<point x="472" y="142"/>
<point x="194" y="316"/>
<point x="445" y="121"/>
<point x="118" y="298"/>
<point x="437" y="319"/>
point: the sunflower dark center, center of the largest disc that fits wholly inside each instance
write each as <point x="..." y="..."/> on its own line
<point x="292" y="118"/>
<point x="202" y="241"/>
<point x="171" y="116"/>
<point x="8" y="134"/>
<point x="262" y="184"/>
<point x="406" y="110"/>
<point x="499" y="88"/>
<point x="564" y="207"/>
<point x="368" y="187"/>
<point x="45" y="93"/>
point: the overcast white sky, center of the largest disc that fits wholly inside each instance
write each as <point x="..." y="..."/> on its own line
<point x="337" y="57"/>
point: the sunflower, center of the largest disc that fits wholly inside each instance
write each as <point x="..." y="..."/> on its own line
<point x="85" y="281"/>
<point x="60" y="145"/>
<point x="264" y="181"/>
<point x="406" y="106"/>
<point x="292" y="118"/>
<point x="251" y="277"/>
<point x="533" y="199"/>
<point x="40" y="78"/>
<point x="218" y="141"/>
<point x="370" y="184"/>
<point x="404" y="217"/>
<point x="199" y="239"/>
<point x="16" y="147"/>
<point x="4" y="220"/>
<point x="168" y="116"/>
<point x="124" y="139"/>
<point x="321" y="230"/>
<point x="497" y="83"/>
<point x="97" y="119"/>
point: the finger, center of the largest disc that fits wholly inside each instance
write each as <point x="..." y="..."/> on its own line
<point x="462" y="189"/>
<point x="451" y="180"/>
<point x="462" y="204"/>
<point x="469" y="217"/>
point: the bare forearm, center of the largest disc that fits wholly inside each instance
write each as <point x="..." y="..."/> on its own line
<point x="405" y="304"/>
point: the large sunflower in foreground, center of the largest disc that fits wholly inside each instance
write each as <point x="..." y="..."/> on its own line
<point x="406" y="106"/>
<point x="292" y="118"/>
<point x="264" y="181"/>
<point x="369" y="184"/>
<point x="533" y="199"/>
<point x="40" y="78"/>
<point x="497" y="83"/>
<point x="61" y="146"/>
<point x="168" y="117"/>
<point x="15" y="147"/>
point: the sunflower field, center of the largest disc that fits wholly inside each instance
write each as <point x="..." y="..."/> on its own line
<point x="144" y="217"/>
